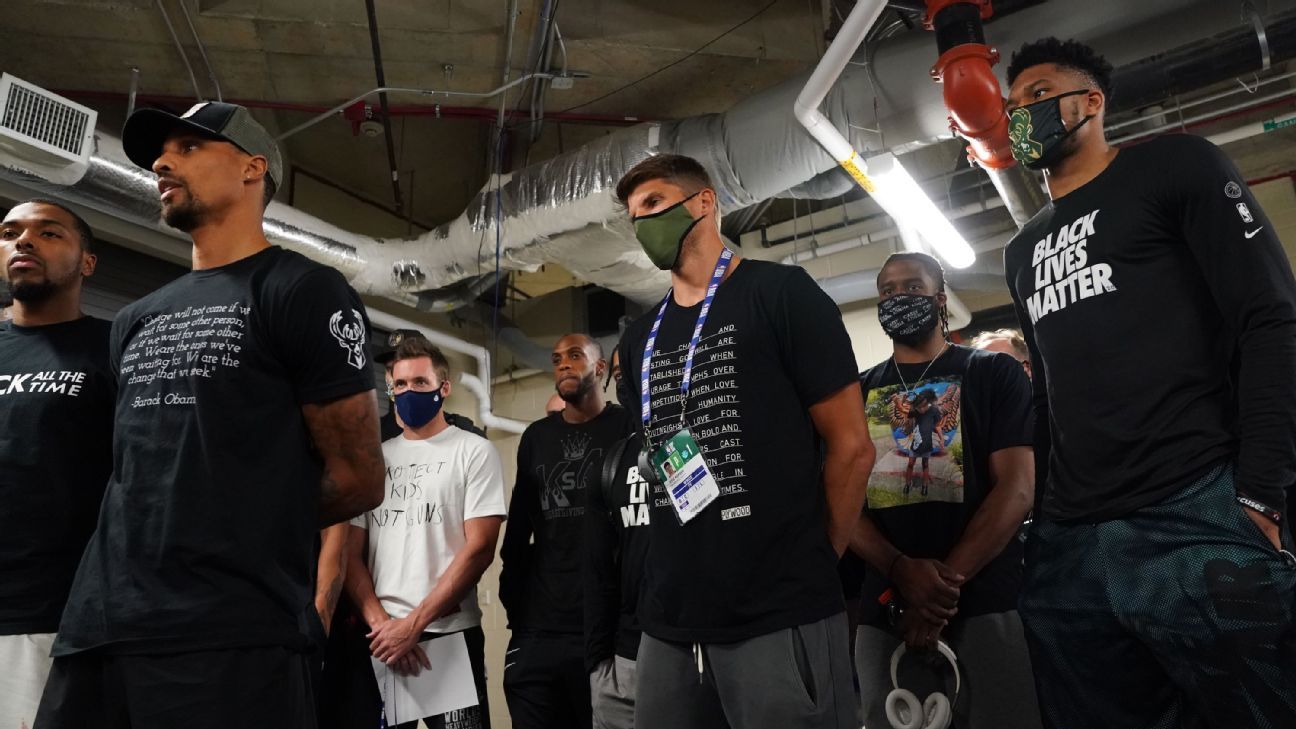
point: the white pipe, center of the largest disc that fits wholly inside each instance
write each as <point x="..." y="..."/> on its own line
<point x="892" y="187"/>
<point x="478" y="385"/>
<point x="834" y="61"/>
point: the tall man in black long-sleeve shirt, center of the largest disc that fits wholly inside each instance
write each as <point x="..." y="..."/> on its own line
<point x="1160" y="311"/>
<point x="545" y="681"/>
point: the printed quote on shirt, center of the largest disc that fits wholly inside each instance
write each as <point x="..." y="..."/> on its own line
<point x="195" y="342"/>
<point x="713" y="410"/>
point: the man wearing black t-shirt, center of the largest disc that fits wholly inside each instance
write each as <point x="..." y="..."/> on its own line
<point x="545" y="681"/>
<point x="617" y="514"/>
<point x="1160" y="312"/>
<point x="740" y="372"/>
<point x="56" y="406"/>
<point x="245" y="421"/>
<point x="944" y="556"/>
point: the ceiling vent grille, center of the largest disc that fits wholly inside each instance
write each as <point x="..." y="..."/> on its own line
<point x="44" y="129"/>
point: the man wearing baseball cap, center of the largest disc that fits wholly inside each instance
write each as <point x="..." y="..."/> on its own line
<point x="245" y="422"/>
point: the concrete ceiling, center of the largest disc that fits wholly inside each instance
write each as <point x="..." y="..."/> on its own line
<point x="317" y="53"/>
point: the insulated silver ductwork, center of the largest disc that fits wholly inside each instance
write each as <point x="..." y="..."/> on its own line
<point x="562" y="210"/>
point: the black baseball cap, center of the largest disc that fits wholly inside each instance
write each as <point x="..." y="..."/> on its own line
<point x="393" y="341"/>
<point x="147" y="129"/>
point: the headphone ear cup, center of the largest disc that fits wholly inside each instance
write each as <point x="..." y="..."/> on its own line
<point x="903" y="710"/>
<point x="937" y="712"/>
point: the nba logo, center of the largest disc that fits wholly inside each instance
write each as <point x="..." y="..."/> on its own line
<point x="1245" y="213"/>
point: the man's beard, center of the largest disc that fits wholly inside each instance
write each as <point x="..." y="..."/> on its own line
<point x="31" y="292"/>
<point x="913" y="340"/>
<point x="585" y="387"/>
<point x="185" y="216"/>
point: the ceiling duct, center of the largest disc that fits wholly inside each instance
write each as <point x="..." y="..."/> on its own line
<point x="562" y="210"/>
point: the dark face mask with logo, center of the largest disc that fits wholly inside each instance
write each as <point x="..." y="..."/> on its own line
<point x="908" y="318"/>
<point x="417" y="409"/>
<point x="662" y="233"/>
<point x="1037" y="131"/>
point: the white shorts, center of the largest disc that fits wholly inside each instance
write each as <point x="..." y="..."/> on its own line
<point x="26" y="660"/>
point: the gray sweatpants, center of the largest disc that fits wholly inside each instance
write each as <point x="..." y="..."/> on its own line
<point x="998" y="688"/>
<point x="612" y="693"/>
<point x="796" y="678"/>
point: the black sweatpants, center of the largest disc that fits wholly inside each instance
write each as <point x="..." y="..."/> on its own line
<point x="1179" y="615"/>
<point x="545" y="681"/>
<point x="268" y="687"/>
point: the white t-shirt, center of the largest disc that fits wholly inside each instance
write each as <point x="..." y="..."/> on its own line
<point x="433" y="486"/>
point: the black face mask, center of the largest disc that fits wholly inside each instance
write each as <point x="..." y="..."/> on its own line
<point x="1037" y="131"/>
<point x="908" y="318"/>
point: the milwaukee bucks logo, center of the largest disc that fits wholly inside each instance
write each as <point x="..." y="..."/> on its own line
<point x="1025" y="149"/>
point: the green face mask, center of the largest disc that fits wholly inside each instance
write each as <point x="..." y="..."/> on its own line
<point x="662" y="233"/>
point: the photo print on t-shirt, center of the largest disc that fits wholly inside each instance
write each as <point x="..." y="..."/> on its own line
<point x="919" y="441"/>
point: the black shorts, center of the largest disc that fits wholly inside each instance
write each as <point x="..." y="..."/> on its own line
<point x="1180" y="614"/>
<point x="266" y="687"/>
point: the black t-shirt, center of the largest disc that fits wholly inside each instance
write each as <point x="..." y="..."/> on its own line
<point x="983" y="404"/>
<point x="759" y="558"/>
<point x="206" y="535"/>
<point x="56" y="410"/>
<point x="617" y="515"/>
<point x="1160" y="311"/>
<point x="540" y="580"/>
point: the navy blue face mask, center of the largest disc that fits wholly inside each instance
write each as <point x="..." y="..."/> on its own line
<point x="416" y="409"/>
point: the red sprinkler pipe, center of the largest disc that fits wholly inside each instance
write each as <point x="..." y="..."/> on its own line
<point x="972" y="93"/>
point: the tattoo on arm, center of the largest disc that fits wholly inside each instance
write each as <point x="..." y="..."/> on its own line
<point x="345" y="432"/>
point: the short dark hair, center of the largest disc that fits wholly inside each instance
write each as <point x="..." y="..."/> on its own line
<point x="83" y="231"/>
<point x="930" y="265"/>
<point x="268" y="194"/>
<point x="416" y="347"/>
<point x="1070" y="54"/>
<point x="676" y="169"/>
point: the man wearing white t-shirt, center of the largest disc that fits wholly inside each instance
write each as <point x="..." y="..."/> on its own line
<point x="414" y="561"/>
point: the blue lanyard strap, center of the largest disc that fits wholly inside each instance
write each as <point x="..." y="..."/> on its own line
<point x="722" y="265"/>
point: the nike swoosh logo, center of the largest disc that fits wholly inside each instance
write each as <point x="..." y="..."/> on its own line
<point x="509" y="653"/>
<point x="507" y="666"/>
<point x="1251" y="233"/>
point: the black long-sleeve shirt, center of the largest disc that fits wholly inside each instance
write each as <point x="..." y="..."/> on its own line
<point x="616" y="545"/>
<point x="1160" y="311"/>
<point x="540" y="575"/>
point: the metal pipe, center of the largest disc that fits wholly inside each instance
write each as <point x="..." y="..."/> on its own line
<point x="891" y="185"/>
<point x="134" y="89"/>
<point x="386" y="112"/>
<point x="202" y="51"/>
<point x="1232" y="91"/>
<point x="440" y="111"/>
<point x="406" y="90"/>
<point x="183" y="56"/>
<point x="1020" y="192"/>
<point x="1209" y="116"/>
<point x="508" y="58"/>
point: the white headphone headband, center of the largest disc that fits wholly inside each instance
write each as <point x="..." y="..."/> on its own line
<point x="943" y="648"/>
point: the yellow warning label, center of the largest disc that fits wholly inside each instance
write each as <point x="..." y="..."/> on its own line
<point x="851" y="167"/>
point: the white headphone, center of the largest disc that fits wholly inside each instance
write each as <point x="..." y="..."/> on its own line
<point x="903" y="709"/>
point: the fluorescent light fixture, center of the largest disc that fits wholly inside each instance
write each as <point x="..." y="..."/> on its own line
<point x="901" y="197"/>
